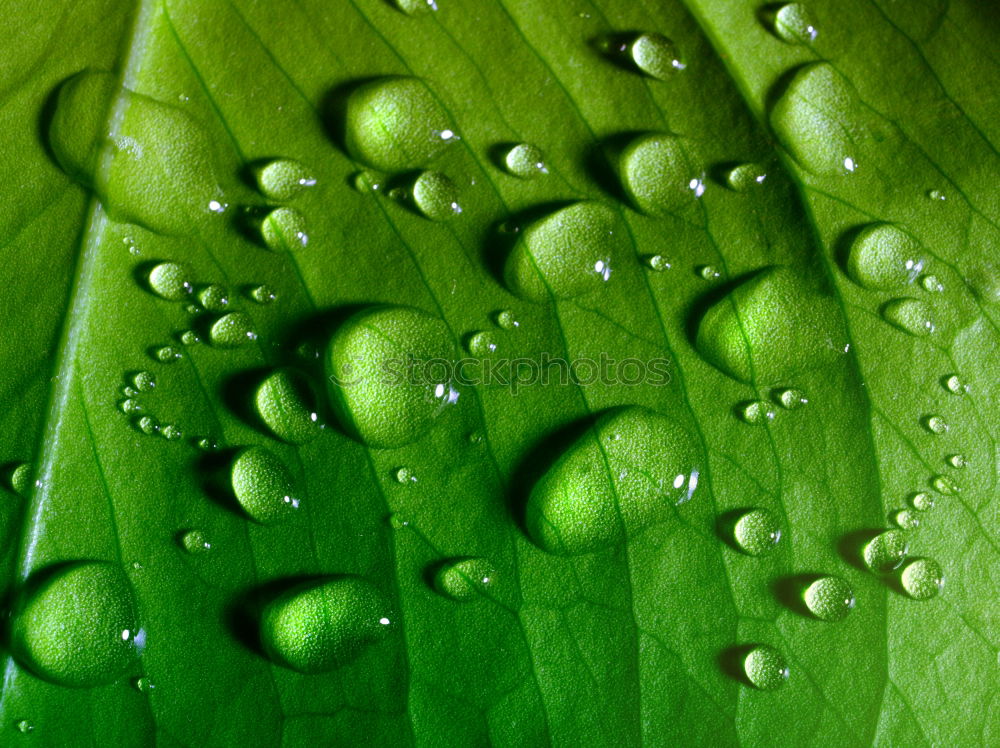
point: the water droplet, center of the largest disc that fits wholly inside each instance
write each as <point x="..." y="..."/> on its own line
<point x="922" y="501"/>
<point x="398" y="521"/>
<point x="263" y="294"/>
<point x="395" y="123"/>
<point x="147" y="425"/>
<point x="130" y="406"/>
<point x="24" y="726"/>
<point x="263" y="485"/>
<point x="957" y="461"/>
<point x="217" y="206"/>
<point x="404" y="475"/>
<point x="189" y="337"/>
<point x="171" y="280"/>
<point x="565" y="254"/>
<point x="80" y="628"/>
<point x="765" y="668"/>
<point x="476" y="437"/>
<point x="206" y="444"/>
<point x="214" y="298"/>
<point x="944" y="485"/>
<point x="20" y="479"/>
<point x="365" y="182"/>
<point x="170" y="432"/>
<point x="656" y="56"/>
<point x="193" y="309"/>
<point x="936" y="195"/>
<point x="757" y="532"/>
<point x="829" y="598"/>
<point x="284" y="229"/>
<point x="883" y="256"/>
<point x="744" y="176"/>
<point x="658" y="263"/>
<point x="886" y="551"/>
<point x="954" y="385"/>
<point x="922" y="578"/>
<point x="757" y="411"/>
<point x="708" y="272"/>
<point x="657" y="175"/>
<point x="506" y="320"/>
<point x="389" y="374"/>
<point x="481" y="344"/>
<point x="194" y="541"/>
<point x="793" y="23"/>
<point x="416" y="7"/>
<point x="286" y="402"/>
<point x="931" y="284"/>
<point x="283" y="179"/>
<point x="167" y="354"/>
<point x="465" y="580"/>
<point x="906" y="520"/>
<point x="320" y="625"/>
<point x="791" y="398"/>
<point x="909" y="315"/>
<point x="144" y="381"/>
<point x="143" y="684"/>
<point x="231" y="330"/>
<point x="130" y="391"/>
<point x="935" y="424"/>
<point x="436" y="196"/>
<point x="525" y="161"/>
<point x="625" y="472"/>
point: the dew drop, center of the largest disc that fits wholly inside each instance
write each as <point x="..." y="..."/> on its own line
<point x="194" y="541"/>
<point x="525" y="161"/>
<point x="935" y="424"/>
<point x="20" y="479"/>
<point x="506" y="320"/>
<point x="130" y="391"/>
<point x="466" y="579"/>
<point x="829" y="598"/>
<point x="944" y="485"/>
<point x="922" y="501"/>
<point x="746" y="176"/>
<point x="206" y="444"/>
<point x="320" y="625"/>
<point x="793" y="23"/>
<point x="416" y="7"/>
<point x="144" y="381"/>
<point x="922" y="578"/>
<point x="397" y="521"/>
<point x="886" y="551"/>
<point x="936" y="195"/>
<point x="24" y="726"/>
<point x="365" y="182"/>
<point x="757" y="532"/>
<point x="658" y="263"/>
<point x="657" y="175"/>
<point x="955" y="385"/>
<point x="214" y="298"/>
<point x="189" y="337"/>
<point x="80" y="628"/>
<point x="232" y="330"/>
<point x="791" y="398"/>
<point x="765" y="668"/>
<point x="656" y="56"/>
<point x="909" y="315"/>
<point x="436" y="196"/>
<point x="284" y="229"/>
<point x="757" y="411"/>
<point x="167" y="354"/>
<point x="143" y="684"/>
<point x="957" y="461"/>
<point x="405" y="476"/>
<point x="263" y="485"/>
<point x="883" y="256"/>
<point x="130" y="406"/>
<point x="263" y="294"/>
<point x="286" y="402"/>
<point x="170" y="280"/>
<point x="708" y="272"/>
<point x="283" y="179"/>
<point x="481" y="344"/>
<point x="395" y="123"/>
<point x="147" y="425"/>
<point x="906" y="520"/>
<point x="931" y="284"/>
<point x="170" y="432"/>
<point x="193" y="309"/>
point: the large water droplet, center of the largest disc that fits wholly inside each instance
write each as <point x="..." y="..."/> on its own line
<point x="231" y="330"/>
<point x="526" y="161"/>
<point x="390" y="374"/>
<point x="283" y="179"/>
<point x="656" y="55"/>
<point x="263" y="485"/>
<point x="657" y="175"/>
<point x="394" y="124"/>
<point x="285" y="401"/>
<point x="765" y="667"/>
<point x="757" y="532"/>
<point x="465" y="580"/>
<point x="171" y="280"/>
<point x="436" y="196"/>
<point x="625" y="472"/>
<point x="886" y="551"/>
<point x="768" y="329"/>
<point x="565" y="254"/>
<point x="321" y="625"/>
<point x="909" y="315"/>
<point x="79" y="629"/>
<point x="284" y="230"/>
<point x="793" y="23"/>
<point x="883" y="256"/>
<point x="922" y="578"/>
<point x="829" y="598"/>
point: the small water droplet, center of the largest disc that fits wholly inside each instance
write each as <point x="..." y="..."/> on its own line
<point x="944" y="485"/>
<point x="481" y="344"/>
<point x="525" y="161"/>
<point x="791" y="398"/>
<point x="436" y="196"/>
<point x="130" y="406"/>
<point x="171" y="280"/>
<point x="909" y="315"/>
<point x="263" y="294"/>
<point x="214" y="298"/>
<point x="922" y="501"/>
<point x="20" y="479"/>
<point x="144" y="381"/>
<point x="935" y="424"/>
<point x="793" y="23"/>
<point x="207" y="444"/>
<point x="167" y="354"/>
<point x="936" y="195"/>
<point x="365" y="182"/>
<point x="284" y="229"/>
<point x="931" y="284"/>
<point x="906" y="520"/>
<point x="465" y="580"/>
<point x="193" y="309"/>
<point x="506" y="320"/>
<point x="954" y="385"/>
<point x="957" y="461"/>
<point x="405" y="475"/>
<point x="829" y="598"/>
<point x="195" y="541"/>
<point x="656" y="55"/>
<point x="745" y="176"/>
<point x="189" y="337"/>
<point x="757" y="532"/>
<point x="922" y="578"/>
<point x="231" y="330"/>
<point x="130" y="391"/>
<point x="708" y="272"/>
<point x="765" y="667"/>
<point x="658" y="263"/>
<point x="476" y="437"/>
<point x="263" y="485"/>
<point x="757" y="411"/>
<point x="883" y="256"/>
<point x="170" y="432"/>
<point x="283" y="179"/>
<point x="147" y="425"/>
<point x="143" y="684"/>
<point x="397" y="521"/>
<point x="416" y="7"/>
<point x="886" y="551"/>
<point x="217" y="206"/>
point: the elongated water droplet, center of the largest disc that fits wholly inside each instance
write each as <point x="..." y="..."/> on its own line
<point x="389" y="374"/>
<point x="394" y="124"/>
<point x="957" y="461"/>
<point x="935" y="424"/>
<point x="525" y="161"/>
<point x="757" y="532"/>
<point x="922" y="578"/>
<point x="659" y="263"/>
<point x="263" y="294"/>
<point x="757" y="411"/>
<point x="745" y="176"/>
<point x="436" y="196"/>
<point x="922" y="501"/>
<point x="263" y="486"/>
<point x="167" y="354"/>
<point x="657" y="175"/>
<point x="656" y="56"/>
<point x="323" y="624"/>
<point x="765" y="668"/>
<point x="283" y="179"/>
<point x="944" y="485"/>
<point x="791" y="398"/>
<point x="506" y="320"/>
<point x="194" y="541"/>
<point x="909" y="315"/>
<point x="144" y="381"/>
<point x="171" y="280"/>
<point x="793" y="23"/>
<point x="214" y="298"/>
<point x="829" y="598"/>
<point x="886" y="551"/>
<point x="481" y="344"/>
<point x="626" y="471"/>
<point x="465" y="580"/>
<point x="954" y="385"/>
<point x="231" y="330"/>
<point x="568" y="253"/>
<point x="80" y="628"/>
<point x="286" y="402"/>
<point x="20" y="479"/>
<point x="883" y="256"/>
<point x="906" y="520"/>
<point x="284" y="229"/>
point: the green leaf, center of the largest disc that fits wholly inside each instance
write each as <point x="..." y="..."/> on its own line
<point x="766" y="240"/>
